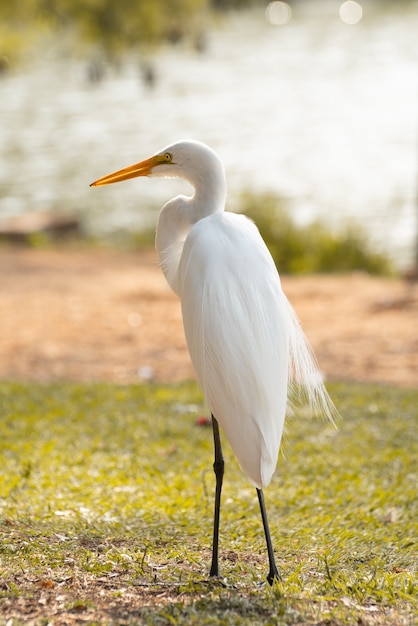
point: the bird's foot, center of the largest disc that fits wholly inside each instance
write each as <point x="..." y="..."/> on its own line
<point x="273" y="576"/>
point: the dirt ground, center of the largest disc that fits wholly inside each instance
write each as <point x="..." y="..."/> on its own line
<point x="94" y="314"/>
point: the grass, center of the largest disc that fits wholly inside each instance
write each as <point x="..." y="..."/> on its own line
<point x="106" y="511"/>
<point x="314" y="248"/>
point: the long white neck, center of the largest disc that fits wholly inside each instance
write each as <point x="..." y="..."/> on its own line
<point x="179" y="214"/>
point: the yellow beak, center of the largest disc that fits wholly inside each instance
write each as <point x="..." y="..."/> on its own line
<point x="143" y="168"/>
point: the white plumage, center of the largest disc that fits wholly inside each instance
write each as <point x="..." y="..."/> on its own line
<point x="239" y="346"/>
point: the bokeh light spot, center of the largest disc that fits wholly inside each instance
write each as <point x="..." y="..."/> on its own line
<point x="351" y="12"/>
<point x="278" y="13"/>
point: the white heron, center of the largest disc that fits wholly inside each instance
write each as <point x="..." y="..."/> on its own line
<point x="246" y="345"/>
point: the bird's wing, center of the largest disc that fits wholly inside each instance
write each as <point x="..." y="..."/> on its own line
<point x="238" y="328"/>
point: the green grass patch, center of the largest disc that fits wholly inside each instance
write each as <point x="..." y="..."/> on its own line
<point x="106" y="496"/>
<point x="315" y="248"/>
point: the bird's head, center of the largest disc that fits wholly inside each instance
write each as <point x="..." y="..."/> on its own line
<point x="187" y="159"/>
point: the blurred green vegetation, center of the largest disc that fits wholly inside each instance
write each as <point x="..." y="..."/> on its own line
<point x="114" y="26"/>
<point x="311" y="249"/>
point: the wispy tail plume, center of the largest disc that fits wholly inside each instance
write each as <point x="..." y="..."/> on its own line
<point x="306" y="383"/>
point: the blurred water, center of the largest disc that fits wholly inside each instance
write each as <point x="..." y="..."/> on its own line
<point x="322" y="113"/>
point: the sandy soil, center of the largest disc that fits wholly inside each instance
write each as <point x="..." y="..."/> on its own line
<point x="78" y="314"/>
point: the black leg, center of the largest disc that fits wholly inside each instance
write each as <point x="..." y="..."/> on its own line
<point x="218" y="468"/>
<point x="273" y="572"/>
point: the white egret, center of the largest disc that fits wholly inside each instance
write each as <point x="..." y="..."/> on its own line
<point x="246" y="345"/>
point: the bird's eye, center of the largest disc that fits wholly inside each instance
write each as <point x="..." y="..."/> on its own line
<point x="167" y="157"/>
